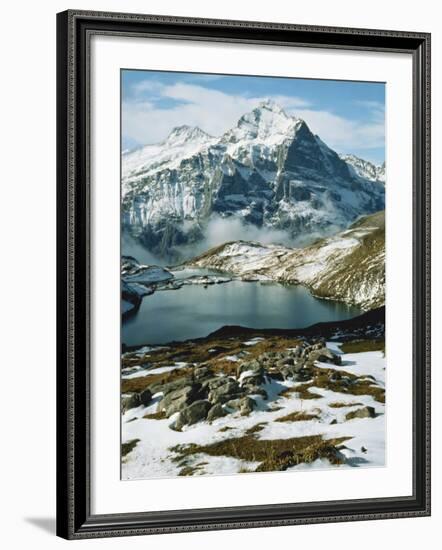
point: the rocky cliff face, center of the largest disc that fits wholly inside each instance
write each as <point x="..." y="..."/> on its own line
<point x="348" y="267"/>
<point x="269" y="170"/>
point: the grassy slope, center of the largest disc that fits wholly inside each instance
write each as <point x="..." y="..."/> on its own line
<point x="355" y="274"/>
<point x="361" y="270"/>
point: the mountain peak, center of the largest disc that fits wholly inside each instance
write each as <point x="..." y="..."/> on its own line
<point x="270" y="105"/>
<point x="267" y="121"/>
<point x="185" y="133"/>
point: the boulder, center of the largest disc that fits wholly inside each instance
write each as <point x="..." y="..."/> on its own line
<point x="145" y="397"/>
<point x="256" y="390"/>
<point x="298" y="365"/>
<point x="281" y="363"/>
<point x="253" y="379"/>
<point x="192" y="414"/>
<point x="174" y="385"/>
<point x="230" y="396"/>
<point x="177" y="400"/>
<point x="216" y="411"/>
<point x="324" y="355"/>
<point x="244" y="405"/>
<point x="223" y="392"/>
<point x="287" y="372"/>
<point x="202" y="373"/>
<point x="363" y="412"/>
<point x="296" y="352"/>
<point x="130" y="402"/>
<point x="255" y="366"/>
<point x="218" y="381"/>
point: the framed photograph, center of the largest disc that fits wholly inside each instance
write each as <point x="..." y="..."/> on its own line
<point x="243" y="274"/>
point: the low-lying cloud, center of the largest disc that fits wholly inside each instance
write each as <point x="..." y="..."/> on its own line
<point x="220" y="230"/>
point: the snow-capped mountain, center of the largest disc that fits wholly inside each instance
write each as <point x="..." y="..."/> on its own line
<point x="365" y="169"/>
<point x="269" y="170"/>
<point x="349" y="267"/>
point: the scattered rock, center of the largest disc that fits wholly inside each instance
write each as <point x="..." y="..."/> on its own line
<point x="363" y="412"/>
<point x="224" y="390"/>
<point x="215" y="412"/>
<point x="256" y="390"/>
<point x="254" y="366"/>
<point x="168" y="387"/>
<point x="324" y="355"/>
<point x="253" y="380"/>
<point x="244" y="405"/>
<point x="130" y="402"/>
<point x="177" y="400"/>
<point x="145" y="397"/>
<point x="192" y="414"/>
<point x="202" y="373"/>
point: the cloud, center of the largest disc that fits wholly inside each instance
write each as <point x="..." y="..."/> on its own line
<point x="214" y="111"/>
<point x="344" y="134"/>
<point x="140" y="88"/>
<point x="222" y="230"/>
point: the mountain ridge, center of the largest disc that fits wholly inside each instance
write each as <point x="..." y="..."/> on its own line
<point x="269" y="171"/>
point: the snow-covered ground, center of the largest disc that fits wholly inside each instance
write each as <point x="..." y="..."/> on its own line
<point x="152" y="455"/>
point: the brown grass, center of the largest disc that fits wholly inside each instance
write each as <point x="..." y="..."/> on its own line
<point x="356" y="266"/>
<point x="340" y="404"/>
<point x="127" y="447"/>
<point x="139" y="384"/>
<point x="190" y="470"/>
<point x="159" y="415"/>
<point x="358" y="346"/>
<point x="256" y="428"/>
<point x="358" y="386"/>
<point x="303" y="391"/>
<point x="225" y="429"/>
<point x="196" y="352"/>
<point x="297" y="416"/>
<point x="273" y="455"/>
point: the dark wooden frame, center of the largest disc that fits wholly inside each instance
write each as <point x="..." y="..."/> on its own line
<point x="74" y="519"/>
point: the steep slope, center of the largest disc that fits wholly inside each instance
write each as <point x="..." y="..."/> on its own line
<point x="269" y="170"/>
<point x="348" y="267"/>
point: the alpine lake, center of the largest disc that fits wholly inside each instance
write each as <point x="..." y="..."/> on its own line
<point x="196" y="310"/>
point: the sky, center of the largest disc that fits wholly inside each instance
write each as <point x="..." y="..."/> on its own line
<point x="348" y="116"/>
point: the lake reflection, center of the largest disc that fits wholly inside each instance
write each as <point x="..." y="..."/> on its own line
<point x="195" y="311"/>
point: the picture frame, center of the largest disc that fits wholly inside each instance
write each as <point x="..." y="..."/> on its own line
<point x="75" y="518"/>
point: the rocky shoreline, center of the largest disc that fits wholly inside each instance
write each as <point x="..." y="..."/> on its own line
<point x="138" y="281"/>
